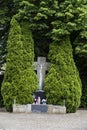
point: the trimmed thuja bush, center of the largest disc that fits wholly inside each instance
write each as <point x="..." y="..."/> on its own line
<point x="20" y="80"/>
<point x="84" y="92"/>
<point x="62" y="81"/>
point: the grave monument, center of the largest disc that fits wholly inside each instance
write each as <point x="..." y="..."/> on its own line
<point x="41" y="66"/>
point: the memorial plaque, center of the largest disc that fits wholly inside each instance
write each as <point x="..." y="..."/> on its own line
<point x="39" y="108"/>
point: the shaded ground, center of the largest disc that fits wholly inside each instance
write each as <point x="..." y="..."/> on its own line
<point x="37" y="121"/>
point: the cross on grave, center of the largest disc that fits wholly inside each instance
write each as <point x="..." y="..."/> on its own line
<point x="41" y="66"/>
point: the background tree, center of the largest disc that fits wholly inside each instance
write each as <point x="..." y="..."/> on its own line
<point x="19" y="72"/>
<point x="54" y="18"/>
<point x="6" y="12"/>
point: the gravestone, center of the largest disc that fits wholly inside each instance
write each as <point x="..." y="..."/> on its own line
<point x="41" y="66"/>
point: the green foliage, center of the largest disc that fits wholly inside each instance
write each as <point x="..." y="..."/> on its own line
<point x="54" y="19"/>
<point x="1" y="99"/>
<point x="80" y="45"/>
<point x="62" y="81"/>
<point x="81" y="62"/>
<point x="41" y="43"/>
<point x="6" y="12"/>
<point x="84" y="92"/>
<point x="49" y="22"/>
<point x="20" y="81"/>
<point x="80" y="49"/>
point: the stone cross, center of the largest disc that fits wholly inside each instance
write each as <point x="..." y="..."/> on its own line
<point x="41" y="66"/>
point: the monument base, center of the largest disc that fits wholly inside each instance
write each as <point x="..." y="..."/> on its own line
<point x="39" y="108"/>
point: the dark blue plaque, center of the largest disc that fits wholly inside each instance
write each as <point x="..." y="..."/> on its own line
<point x="39" y="108"/>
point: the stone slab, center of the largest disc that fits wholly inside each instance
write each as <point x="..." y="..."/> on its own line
<point x="56" y="109"/>
<point x="28" y="108"/>
<point x="59" y="109"/>
<point x="19" y="108"/>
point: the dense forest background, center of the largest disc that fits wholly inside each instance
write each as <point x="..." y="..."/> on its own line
<point x="74" y="24"/>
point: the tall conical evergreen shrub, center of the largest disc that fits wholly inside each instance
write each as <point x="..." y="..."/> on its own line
<point x="63" y="82"/>
<point x="20" y="81"/>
